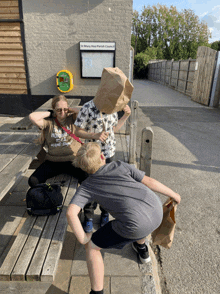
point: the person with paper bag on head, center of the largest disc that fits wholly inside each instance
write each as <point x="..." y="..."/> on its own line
<point x="97" y="121"/>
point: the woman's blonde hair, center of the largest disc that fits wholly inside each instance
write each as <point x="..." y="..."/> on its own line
<point x="55" y="100"/>
<point x="88" y="157"/>
<point x="58" y="98"/>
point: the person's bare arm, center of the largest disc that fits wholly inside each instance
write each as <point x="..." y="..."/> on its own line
<point x="81" y="133"/>
<point x="75" y="224"/>
<point x="37" y="118"/>
<point x="161" y="188"/>
<point x="122" y="120"/>
<point x="72" y="110"/>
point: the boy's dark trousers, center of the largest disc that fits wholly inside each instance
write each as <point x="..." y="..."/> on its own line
<point x="90" y="207"/>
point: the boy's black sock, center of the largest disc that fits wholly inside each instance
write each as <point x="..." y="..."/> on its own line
<point x="141" y="246"/>
<point x="96" y="292"/>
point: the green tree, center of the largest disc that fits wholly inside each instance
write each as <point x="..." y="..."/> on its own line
<point x="175" y="35"/>
<point x="141" y="61"/>
<point x="216" y="45"/>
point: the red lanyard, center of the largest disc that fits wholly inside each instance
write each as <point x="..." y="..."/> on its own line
<point x="68" y="132"/>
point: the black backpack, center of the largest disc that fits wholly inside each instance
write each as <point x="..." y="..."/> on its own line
<point x="44" y="199"/>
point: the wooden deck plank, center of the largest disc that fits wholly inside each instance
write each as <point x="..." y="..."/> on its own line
<point x="12" y="149"/>
<point x="50" y="266"/>
<point x="36" y="265"/>
<point x="34" y="271"/>
<point x="11" y="258"/>
<point x="20" y="269"/>
<point x="16" y="169"/>
<point x="4" y="137"/>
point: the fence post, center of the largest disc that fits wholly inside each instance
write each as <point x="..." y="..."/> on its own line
<point x="165" y="76"/>
<point x="178" y="75"/>
<point x="187" y="76"/>
<point x="171" y="71"/>
<point x="215" y="91"/>
<point x="128" y="122"/>
<point x="133" y="132"/>
<point x="146" y="150"/>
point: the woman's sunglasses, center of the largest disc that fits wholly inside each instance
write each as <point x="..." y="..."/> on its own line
<point x="60" y="109"/>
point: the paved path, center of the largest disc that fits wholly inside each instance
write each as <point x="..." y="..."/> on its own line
<point x="186" y="158"/>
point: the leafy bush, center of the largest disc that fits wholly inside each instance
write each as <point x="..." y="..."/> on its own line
<point x="141" y="61"/>
<point x="216" y="45"/>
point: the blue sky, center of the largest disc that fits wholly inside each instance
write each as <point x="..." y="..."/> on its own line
<point x="208" y="11"/>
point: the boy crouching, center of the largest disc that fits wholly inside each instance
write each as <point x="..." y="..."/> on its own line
<point x="127" y="194"/>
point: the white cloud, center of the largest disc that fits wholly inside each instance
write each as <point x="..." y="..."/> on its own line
<point x="213" y="21"/>
<point x="203" y="14"/>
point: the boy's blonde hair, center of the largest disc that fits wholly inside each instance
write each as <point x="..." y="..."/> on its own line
<point x="88" y="157"/>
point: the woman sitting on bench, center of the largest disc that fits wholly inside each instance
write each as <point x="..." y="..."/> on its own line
<point x="56" y="127"/>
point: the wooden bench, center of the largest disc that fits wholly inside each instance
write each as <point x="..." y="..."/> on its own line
<point x="17" y="149"/>
<point x="35" y="253"/>
<point x="36" y="250"/>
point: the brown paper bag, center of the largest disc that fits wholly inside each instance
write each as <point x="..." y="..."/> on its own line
<point x="164" y="234"/>
<point x="114" y="91"/>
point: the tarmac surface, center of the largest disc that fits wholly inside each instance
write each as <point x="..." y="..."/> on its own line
<point x="185" y="158"/>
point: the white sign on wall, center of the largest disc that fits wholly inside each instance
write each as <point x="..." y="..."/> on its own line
<point x="109" y="46"/>
<point x="94" y="56"/>
<point x="93" y="63"/>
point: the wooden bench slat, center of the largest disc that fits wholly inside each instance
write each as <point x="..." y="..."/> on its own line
<point x="13" y="149"/>
<point x="37" y="262"/>
<point x="6" y="138"/>
<point x="51" y="263"/>
<point x="12" y="256"/>
<point x="20" y="269"/>
<point x="23" y="124"/>
<point x="17" y="168"/>
<point x="34" y="271"/>
<point x="3" y="138"/>
<point x="15" y="139"/>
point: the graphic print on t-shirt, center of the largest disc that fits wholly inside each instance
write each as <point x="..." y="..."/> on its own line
<point x="60" y="137"/>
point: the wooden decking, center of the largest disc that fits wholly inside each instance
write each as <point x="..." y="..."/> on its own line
<point x="35" y="252"/>
<point x="31" y="246"/>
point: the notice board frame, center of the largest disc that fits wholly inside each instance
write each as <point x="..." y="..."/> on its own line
<point x="95" y="49"/>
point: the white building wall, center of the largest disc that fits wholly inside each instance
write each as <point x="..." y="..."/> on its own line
<point x="53" y="30"/>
